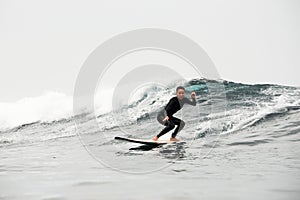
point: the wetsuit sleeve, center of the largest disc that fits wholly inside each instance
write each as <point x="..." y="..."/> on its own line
<point x="193" y="102"/>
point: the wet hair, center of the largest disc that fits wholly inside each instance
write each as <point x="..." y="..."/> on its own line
<point x="179" y="87"/>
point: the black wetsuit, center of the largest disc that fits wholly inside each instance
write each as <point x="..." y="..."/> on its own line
<point x="171" y="108"/>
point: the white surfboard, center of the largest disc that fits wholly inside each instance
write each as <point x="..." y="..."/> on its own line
<point x="143" y="141"/>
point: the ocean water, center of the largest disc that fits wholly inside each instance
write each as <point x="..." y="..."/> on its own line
<point x="250" y="150"/>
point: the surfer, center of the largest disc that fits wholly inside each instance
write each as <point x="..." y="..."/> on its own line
<point x="166" y="118"/>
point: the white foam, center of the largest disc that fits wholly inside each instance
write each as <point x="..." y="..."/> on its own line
<point x="50" y="106"/>
<point x="47" y="107"/>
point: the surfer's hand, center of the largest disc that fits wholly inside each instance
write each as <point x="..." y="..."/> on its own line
<point x="166" y="118"/>
<point x="193" y="95"/>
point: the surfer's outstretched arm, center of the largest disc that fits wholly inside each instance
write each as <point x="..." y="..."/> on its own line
<point x="193" y="101"/>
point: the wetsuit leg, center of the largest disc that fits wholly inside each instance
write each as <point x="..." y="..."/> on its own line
<point x="180" y="124"/>
<point x="169" y="125"/>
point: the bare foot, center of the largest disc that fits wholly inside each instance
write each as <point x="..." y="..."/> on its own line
<point x="174" y="139"/>
<point x="155" y="138"/>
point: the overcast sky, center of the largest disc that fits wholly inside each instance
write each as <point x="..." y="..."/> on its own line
<point x="44" y="43"/>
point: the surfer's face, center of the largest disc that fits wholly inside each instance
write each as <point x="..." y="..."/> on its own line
<point x="180" y="93"/>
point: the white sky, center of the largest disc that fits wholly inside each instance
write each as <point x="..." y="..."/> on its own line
<point x="44" y="43"/>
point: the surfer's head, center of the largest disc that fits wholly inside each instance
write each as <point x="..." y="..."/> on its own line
<point x="180" y="92"/>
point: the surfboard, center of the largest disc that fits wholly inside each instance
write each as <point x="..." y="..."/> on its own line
<point x="142" y="141"/>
